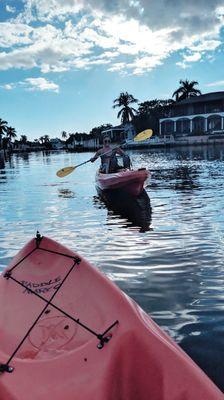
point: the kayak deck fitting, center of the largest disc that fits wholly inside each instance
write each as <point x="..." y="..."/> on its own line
<point x="55" y="305"/>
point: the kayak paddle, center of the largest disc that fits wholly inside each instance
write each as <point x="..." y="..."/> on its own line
<point x="143" y="135"/>
<point x="139" y="137"/>
<point x="68" y="170"/>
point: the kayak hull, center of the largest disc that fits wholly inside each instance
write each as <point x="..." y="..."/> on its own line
<point x="132" y="181"/>
<point x="130" y="357"/>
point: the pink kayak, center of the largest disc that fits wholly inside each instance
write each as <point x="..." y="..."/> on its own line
<point x="131" y="181"/>
<point x="67" y="332"/>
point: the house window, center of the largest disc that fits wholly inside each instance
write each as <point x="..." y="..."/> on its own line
<point x="167" y="127"/>
<point x="183" y="126"/>
<point x="214" y="123"/>
<point x="198" y="125"/>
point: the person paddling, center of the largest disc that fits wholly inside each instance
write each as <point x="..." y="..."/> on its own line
<point x="109" y="163"/>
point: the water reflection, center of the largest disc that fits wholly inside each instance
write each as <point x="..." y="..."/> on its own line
<point x="2" y="170"/>
<point x="136" y="210"/>
<point x="2" y="160"/>
<point x="21" y="156"/>
<point x="180" y="178"/>
<point x="98" y="202"/>
<point x="47" y="159"/>
<point x="66" y="193"/>
<point x="208" y="153"/>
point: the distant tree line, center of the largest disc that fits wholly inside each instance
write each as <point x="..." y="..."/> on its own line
<point x="79" y="136"/>
<point x="8" y="137"/>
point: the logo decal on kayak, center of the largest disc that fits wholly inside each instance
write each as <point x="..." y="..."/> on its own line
<point x="42" y="287"/>
<point x="52" y="333"/>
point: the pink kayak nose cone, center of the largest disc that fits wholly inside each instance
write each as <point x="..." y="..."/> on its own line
<point x="68" y="332"/>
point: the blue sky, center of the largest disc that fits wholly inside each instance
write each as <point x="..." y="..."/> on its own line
<point x="63" y="62"/>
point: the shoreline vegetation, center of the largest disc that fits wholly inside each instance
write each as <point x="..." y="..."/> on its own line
<point x="135" y="120"/>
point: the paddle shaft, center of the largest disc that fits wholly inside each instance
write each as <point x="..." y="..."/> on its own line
<point x="68" y="170"/>
<point x="85" y="162"/>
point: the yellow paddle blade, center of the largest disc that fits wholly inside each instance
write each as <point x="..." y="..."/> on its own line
<point x="65" y="171"/>
<point x="143" y="135"/>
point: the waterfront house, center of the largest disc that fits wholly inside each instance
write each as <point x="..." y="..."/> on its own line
<point x="82" y="141"/>
<point x="121" y="132"/>
<point x="57" y="144"/>
<point x="195" y="116"/>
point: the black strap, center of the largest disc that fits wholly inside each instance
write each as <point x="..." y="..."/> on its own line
<point x="5" y="367"/>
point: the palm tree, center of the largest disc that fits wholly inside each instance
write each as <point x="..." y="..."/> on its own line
<point x="46" y="138"/>
<point x="23" y="139"/>
<point x="41" y="139"/>
<point x="127" y="112"/>
<point x="186" y="90"/>
<point x="64" y="135"/>
<point x="11" y="133"/>
<point x="3" y="129"/>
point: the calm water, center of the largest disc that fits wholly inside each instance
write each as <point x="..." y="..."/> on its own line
<point x="175" y="271"/>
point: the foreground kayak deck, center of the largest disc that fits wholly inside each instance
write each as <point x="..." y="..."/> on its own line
<point x="130" y="180"/>
<point x="89" y="341"/>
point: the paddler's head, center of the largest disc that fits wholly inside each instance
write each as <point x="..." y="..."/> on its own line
<point x="106" y="141"/>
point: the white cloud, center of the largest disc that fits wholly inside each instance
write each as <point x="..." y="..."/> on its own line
<point x="33" y="84"/>
<point x="40" y="84"/>
<point x="182" y="64"/>
<point x="13" y="33"/>
<point x="17" y="59"/>
<point x="190" y="16"/>
<point x="214" y="84"/>
<point x="190" y="19"/>
<point x="145" y="63"/>
<point x="48" y="10"/>
<point x="206" y="45"/>
<point x="10" y="9"/>
<point x="117" y="67"/>
<point x="129" y="35"/>
<point x="8" y="86"/>
<point x="192" y="57"/>
<point x="188" y="59"/>
<point x="49" y="49"/>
